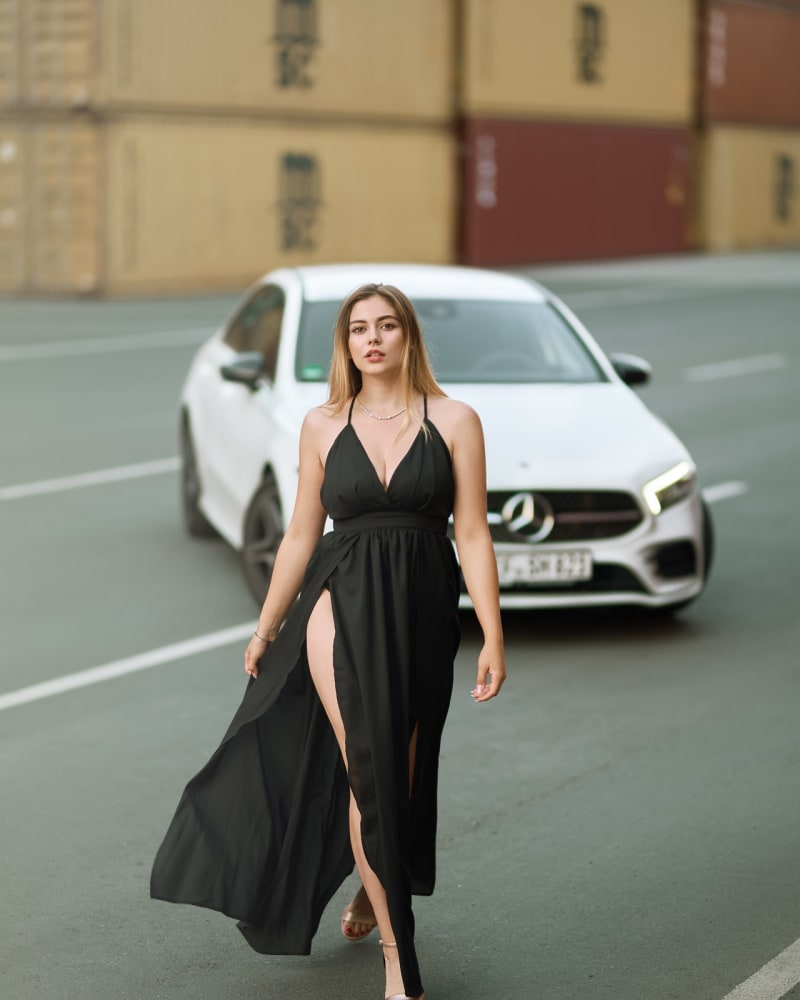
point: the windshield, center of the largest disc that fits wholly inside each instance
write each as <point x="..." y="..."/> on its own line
<point x="470" y="341"/>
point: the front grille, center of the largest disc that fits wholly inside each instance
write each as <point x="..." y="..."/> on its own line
<point x="578" y="515"/>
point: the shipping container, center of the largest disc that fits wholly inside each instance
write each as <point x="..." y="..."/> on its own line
<point x="145" y="206"/>
<point x="10" y="49"/>
<point x="751" y="63"/>
<point x="553" y="191"/>
<point x="614" y="60"/>
<point x="749" y="188"/>
<point x="349" y="59"/>
<point x="13" y="234"/>
<point x="64" y="206"/>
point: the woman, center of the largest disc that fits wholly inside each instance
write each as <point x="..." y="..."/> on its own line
<point x="362" y="660"/>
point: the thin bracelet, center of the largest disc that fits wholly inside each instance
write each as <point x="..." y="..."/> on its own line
<point x="261" y="637"/>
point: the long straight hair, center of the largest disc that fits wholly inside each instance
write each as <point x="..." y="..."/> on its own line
<point x="344" y="379"/>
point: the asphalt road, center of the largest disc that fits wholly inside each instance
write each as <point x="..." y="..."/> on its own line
<point x="623" y="823"/>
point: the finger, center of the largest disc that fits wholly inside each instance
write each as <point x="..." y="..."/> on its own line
<point x="491" y="688"/>
<point x="480" y="680"/>
<point x="481" y="686"/>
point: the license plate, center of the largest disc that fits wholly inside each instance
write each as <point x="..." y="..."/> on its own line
<point x="544" y="567"/>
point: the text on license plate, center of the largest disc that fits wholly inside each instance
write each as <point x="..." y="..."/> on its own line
<point x="544" y="567"/>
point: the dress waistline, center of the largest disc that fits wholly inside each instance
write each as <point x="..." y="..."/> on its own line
<point x="389" y="519"/>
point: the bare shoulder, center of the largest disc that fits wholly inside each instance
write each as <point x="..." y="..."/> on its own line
<point x="320" y="427"/>
<point x="454" y="420"/>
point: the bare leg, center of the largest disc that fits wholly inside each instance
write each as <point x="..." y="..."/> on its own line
<point x="360" y="903"/>
<point x="319" y="645"/>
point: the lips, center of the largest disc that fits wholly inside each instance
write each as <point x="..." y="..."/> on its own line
<point x="374" y="356"/>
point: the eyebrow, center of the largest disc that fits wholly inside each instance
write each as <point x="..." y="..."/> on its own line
<point x="378" y="320"/>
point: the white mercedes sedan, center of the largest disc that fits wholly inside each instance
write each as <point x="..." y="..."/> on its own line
<point x="592" y="500"/>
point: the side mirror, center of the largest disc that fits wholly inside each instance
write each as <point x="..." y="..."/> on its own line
<point x="246" y="368"/>
<point x="632" y="370"/>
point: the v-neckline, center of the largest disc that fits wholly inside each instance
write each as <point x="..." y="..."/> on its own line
<point x="371" y="464"/>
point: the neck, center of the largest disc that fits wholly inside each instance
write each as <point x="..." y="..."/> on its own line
<point x="378" y="394"/>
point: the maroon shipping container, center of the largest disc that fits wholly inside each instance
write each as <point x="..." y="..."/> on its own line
<point x="551" y="191"/>
<point x="750" y="70"/>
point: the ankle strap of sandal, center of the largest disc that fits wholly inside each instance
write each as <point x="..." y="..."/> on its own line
<point x="388" y="944"/>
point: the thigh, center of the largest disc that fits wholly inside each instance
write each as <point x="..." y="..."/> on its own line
<point x="320" y="634"/>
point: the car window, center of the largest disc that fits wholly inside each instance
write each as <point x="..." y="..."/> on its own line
<point x="470" y="341"/>
<point x="257" y="326"/>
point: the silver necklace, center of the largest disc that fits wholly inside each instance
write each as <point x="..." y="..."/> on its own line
<point x="376" y="416"/>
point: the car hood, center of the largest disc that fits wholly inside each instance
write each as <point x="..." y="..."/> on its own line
<point x="598" y="436"/>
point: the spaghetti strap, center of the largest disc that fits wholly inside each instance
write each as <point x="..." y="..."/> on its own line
<point x="425" y="404"/>
<point x="350" y="411"/>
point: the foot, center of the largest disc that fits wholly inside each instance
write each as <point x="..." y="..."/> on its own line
<point x="358" y="918"/>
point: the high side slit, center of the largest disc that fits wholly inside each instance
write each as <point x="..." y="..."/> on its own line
<point x="261" y="833"/>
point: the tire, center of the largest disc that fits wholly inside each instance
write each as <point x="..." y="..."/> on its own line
<point x="263" y="531"/>
<point x="194" y="520"/>
<point x="708" y="541"/>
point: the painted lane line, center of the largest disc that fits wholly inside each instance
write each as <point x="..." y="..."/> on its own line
<point x="773" y="980"/>
<point x="84" y="479"/>
<point x="105" y="345"/>
<point x="130" y="665"/>
<point x="724" y="491"/>
<point x="740" y="366"/>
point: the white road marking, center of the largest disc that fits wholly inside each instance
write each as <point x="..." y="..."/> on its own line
<point x="724" y="491"/>
<point x="83" y="479"/>
<point x="739" y="366"/>
<point x="772" y="981"/>
<point x="130" y="665"/>
<point x="105" y="345"/>
<point x="201" y="644"/>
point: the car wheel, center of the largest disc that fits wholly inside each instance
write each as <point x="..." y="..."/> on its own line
<point x="194" y="519"/>
<point x="708" y="541"/>
<point x="263" y="531"/>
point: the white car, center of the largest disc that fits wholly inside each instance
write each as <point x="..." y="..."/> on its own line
<point x="592" y="499"/>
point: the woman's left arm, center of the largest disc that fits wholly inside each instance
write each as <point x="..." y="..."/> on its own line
<point x="475" y="548"/>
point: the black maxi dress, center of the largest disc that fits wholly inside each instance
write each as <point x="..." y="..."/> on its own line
<point x="261" y="833"/>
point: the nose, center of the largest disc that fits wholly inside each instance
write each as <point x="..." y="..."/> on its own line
<point x="374" y="335"/>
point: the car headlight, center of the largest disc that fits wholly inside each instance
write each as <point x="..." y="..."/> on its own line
<point x="670" y="487"/>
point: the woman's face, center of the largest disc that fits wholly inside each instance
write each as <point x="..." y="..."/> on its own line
<point x="376" y="338"/>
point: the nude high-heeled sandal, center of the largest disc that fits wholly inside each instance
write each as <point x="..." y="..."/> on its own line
<point x="398" y="996"/>
<point x="352" y="915"/>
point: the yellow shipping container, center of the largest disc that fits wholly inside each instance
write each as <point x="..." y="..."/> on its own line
<point x="348" y="58"/>
<point x="10" y="47"/>
<point x="64" y="206"/>
<point x="171" y="205"/>
<point x="749" y="188"/>
<point x="615" y="60"/>
<point x="13" y="235"/>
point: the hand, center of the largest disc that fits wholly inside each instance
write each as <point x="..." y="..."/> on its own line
<point x="491" y="672"/>
<point x="253" y="653"/>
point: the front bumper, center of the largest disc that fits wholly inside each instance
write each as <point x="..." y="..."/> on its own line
<point x="658" y="564"/>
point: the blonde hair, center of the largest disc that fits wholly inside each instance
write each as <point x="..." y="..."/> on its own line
<point x="344" y="379"/>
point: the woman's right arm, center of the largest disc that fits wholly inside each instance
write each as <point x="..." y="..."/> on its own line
<point x="302" y="534"/>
